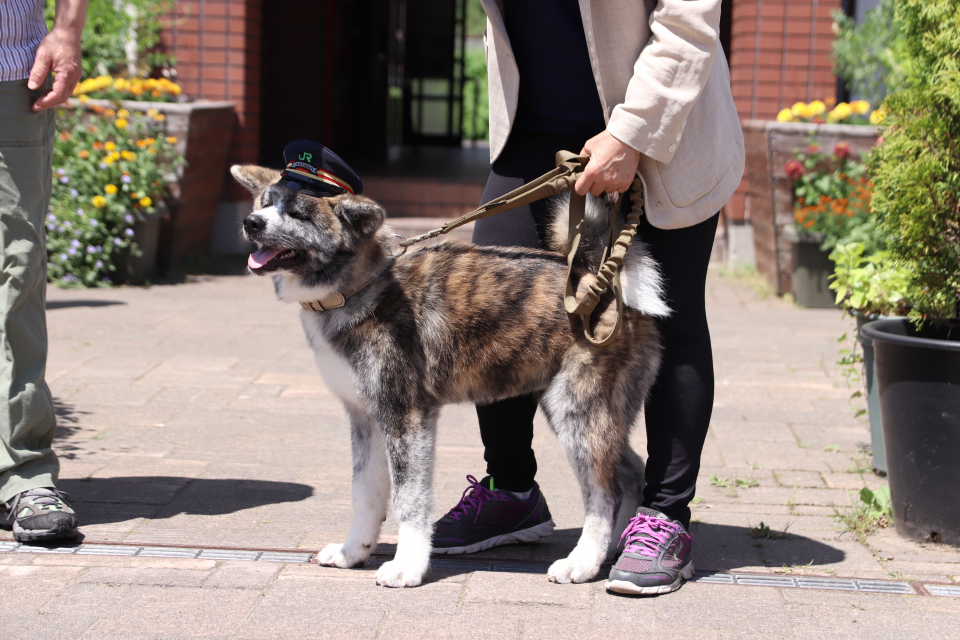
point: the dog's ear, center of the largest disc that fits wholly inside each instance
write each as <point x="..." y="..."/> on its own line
<point x="360" y="213"/>
<point x="253" y="177"/>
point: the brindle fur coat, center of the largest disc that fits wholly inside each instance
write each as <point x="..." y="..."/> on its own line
<point x="449" y="323"/>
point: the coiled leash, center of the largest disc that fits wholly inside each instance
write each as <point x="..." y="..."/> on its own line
<point x="568" y="170"/>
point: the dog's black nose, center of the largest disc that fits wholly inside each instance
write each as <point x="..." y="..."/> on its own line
<point x="253" y="224"/>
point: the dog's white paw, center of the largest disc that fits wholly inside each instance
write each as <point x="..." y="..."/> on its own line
<point x="333" y="555"/>
<point x="395" y="574"/>
<point x="569" y="570"/>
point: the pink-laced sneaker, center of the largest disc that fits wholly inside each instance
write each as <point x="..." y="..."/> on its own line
<point x="657" y="556"/>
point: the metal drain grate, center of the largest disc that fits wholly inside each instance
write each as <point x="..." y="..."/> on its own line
<point x="943" y="590"/>
<point x="790" y="582"/>
<point x="160" y="552"/>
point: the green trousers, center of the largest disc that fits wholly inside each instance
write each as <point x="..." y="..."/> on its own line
<point x="27" y="419"/>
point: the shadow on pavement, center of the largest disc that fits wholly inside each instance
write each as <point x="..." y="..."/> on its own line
<point x="67" y="304"/>
<point x="108" y="500"/>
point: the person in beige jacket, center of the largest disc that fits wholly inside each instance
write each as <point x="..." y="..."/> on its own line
<point x="642" y="87"/>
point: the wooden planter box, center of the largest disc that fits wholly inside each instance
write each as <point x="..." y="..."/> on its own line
<point x="769" y="199"/>
<point x="203" y="131"/>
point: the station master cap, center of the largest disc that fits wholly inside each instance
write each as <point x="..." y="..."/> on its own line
<point x="314" y="169"/>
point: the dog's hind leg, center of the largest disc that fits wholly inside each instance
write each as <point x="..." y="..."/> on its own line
<point x="410" y="442"/>
<point x="594" y="442"/>
<point x="371" y="489"/>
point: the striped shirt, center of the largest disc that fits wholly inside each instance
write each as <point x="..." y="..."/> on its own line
<point x="22" y="27"/>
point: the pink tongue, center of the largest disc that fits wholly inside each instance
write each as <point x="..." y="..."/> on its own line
<point x="261" y="257"/>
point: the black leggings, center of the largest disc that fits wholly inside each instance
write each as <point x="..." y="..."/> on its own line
<point x="678" y="410"/>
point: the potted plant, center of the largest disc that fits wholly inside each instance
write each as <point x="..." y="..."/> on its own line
<point x="123" y="68"/>
<point x="868" y="287"/>
<point x="916" y="175"/>
<point x="831" y="205"/>
<point x="110" y="179"/>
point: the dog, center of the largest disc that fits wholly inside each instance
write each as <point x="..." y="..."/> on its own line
<point x="454" y="322"/>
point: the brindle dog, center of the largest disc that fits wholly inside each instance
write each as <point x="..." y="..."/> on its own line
<point x="449" y="323"/>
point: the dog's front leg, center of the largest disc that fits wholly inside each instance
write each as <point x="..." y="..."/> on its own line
<point x="371" y="489"/>
<point x="410" y="444"/>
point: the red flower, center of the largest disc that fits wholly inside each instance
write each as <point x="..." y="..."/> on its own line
<point x="813" y="148"/>
<point x="793" y="169"/>
<point x="842" y="150"/>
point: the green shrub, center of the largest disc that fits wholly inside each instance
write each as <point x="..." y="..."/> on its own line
<point x="110" y="25"/>
<point x="871" y="57"/>
<point x="916" y="168"/>
<point x="110" y="170"/>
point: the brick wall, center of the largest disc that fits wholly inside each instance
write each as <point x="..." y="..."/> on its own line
<point x="216" y="44"/>
<point x="779" y="55"/>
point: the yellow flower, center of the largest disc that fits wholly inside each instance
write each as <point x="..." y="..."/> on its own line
<point x="171" y="140"/>
<point x="878" y="116"/>
<point x="801" y="110"/>
<point x="109" y="160"/>
<point x="817" y="108"/>
<point x="785" y="115"/>
<point x="861" y="107"/>
<point x="841" y="112"/>
<point x="145" y="201"/>
<point x="128" y="155"/>
<point x="111" y="189"/>
<point x="110" y="146"/>
<point x="159" y="117"/>
<point x="99" y="202"/>
<point x="84" y="98"/>
<point x="83" y="154"/>
<point x="121" y="123"/>
<point x="123" y="113"/>
<point x="152" y="112"/>
<point x="115" y="156"/>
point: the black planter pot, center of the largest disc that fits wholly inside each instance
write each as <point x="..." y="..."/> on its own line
<point x="918" y="375"/>
<point x="873" y="396"/>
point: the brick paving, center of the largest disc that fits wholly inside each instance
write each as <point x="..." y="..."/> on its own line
<point x="192" y="415"/>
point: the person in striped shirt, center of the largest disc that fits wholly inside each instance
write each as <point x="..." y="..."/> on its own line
<point x="29" y="502"/>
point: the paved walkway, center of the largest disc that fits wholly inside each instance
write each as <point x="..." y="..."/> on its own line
<point x="192" y="417"/>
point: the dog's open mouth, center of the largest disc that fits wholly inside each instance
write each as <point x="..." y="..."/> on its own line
<point x="269" y="259"/>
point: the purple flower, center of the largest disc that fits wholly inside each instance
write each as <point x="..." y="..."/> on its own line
<point x="72" y="251"/>
<point x="103" y="165"/>
<point x="63" y="256"/>
<point x="117" y="241"/>
<point x="79" y="212"/>
<point x="129" y="232"/>
<point x="98" y="265"/>
<point x="51" y="217"/>
<point x="91" y="249"/>
<point x="99" y="249"/>
<point x="106" y="278"/>
<point x="74" y="243"/>
<point x="60" y="172"/>
<point x="93" y="222"/>
<point x="126" y="179"/>
<point x="64" y="180"/>
<point x="128" y="218"/>
<point x="66" y="224"/>
<point x="74" y="193"/>
<point x="51" y="226"/>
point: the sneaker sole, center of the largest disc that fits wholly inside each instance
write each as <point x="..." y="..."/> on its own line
<point x="538" y="532"/>
<point x="44" y="535"/>
<point x="622" y="586"/>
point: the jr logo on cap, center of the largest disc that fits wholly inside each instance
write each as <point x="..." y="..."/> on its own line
<point x="306" y="157"/>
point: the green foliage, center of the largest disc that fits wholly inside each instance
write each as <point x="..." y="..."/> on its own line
<point x="110" y="25"/>
<point x="869" y="284"/>
<point x="871" y="57"/>
<point x="476" y="18"/>
<point x="475" y="105"/>
<point x="871" y="511"/>
<point x="109" y="171"/>
<point x="916" y="169"/>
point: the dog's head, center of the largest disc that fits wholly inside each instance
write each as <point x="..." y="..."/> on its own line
<point x="312" y="238"/>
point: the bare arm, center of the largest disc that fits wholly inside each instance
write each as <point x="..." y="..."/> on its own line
<point x="59" y="52"/>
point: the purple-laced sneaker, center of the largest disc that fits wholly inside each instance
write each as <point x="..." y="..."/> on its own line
<point x="657" y="555"/>
<point x="487" y="517"/>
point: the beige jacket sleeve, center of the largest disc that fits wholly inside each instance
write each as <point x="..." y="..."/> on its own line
<point x="668" y="77"/>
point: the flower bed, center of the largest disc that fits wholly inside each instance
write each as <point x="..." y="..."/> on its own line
<point x="111" y="172"/>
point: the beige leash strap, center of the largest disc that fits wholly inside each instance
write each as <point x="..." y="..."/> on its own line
<point x="569" y="168"/>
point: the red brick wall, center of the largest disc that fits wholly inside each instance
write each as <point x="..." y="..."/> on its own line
<point x="779" y="55"/>
<point x="216" y="44"/>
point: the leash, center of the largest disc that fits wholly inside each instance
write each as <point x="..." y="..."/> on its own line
<point x="568" y="169"/>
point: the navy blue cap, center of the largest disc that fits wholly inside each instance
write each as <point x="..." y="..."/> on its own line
<point x="313" y="168"/>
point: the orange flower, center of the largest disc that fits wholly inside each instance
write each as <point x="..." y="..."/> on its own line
<point x="83" y="154"/>
<point x="64" y="135"/>
<point x="98" y="145"/>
